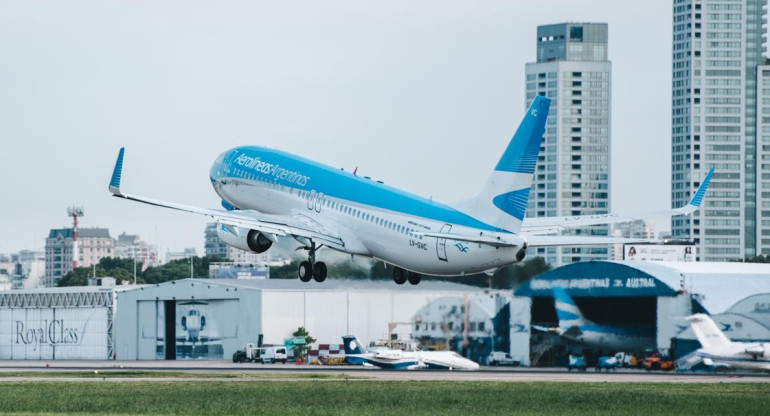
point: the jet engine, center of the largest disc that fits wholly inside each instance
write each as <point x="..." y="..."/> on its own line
<point x="756" y="350"/>
<point x="245" y="239"/>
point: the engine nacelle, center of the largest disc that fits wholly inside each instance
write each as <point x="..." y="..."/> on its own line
<point x="247" y="240"/>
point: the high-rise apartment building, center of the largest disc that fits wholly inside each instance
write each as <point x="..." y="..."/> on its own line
<point x="93" y="243"/>
<point x="717" y="47"/>
<point x="573" y="168"/>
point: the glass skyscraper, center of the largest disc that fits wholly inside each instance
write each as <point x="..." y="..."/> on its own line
<point x="573" y="168"/>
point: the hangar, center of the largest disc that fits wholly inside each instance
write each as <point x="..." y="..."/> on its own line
<point x="213" y="318"/>
<point x="639" y="294"/>
<point x="72" y="323"/>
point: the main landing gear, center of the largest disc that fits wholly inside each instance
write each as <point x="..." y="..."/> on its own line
<point x="311" y="269"/>
<point x="401" y="276"/>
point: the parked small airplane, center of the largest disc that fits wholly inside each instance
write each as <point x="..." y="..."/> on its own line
<point x="718" y="350"/>
<point x="268" y="194"/>
<point x="405" y="360"/>
<point x="575" y="327"/>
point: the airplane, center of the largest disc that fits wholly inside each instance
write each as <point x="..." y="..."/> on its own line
<point x="573" y="326"/>
<point x="267" y="194"/>
<point x="718" y="350"/>
<point x="405" y="360"/>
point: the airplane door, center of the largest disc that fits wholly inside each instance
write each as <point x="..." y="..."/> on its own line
<point x="441" y="243"/>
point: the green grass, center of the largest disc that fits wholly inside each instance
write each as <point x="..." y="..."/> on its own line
<point x="218" y="397"/>
<point x="170" y="374"/>
<point x="382" y="398"/>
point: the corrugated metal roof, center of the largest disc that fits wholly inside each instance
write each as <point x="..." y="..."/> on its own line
<point x="720" y="284"/>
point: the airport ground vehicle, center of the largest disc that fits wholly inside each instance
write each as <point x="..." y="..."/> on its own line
<point x="607" y="363"/>
<point x="501" y="358"/>
<point x="626" y="360"/>
<point x="264" y="355"/>
<point x="655" y="362"/>
<point x="576" y="362"/>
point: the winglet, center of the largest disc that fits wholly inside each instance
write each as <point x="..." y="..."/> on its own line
<point x="115" y="181"/>
<point x="697" y="197"/>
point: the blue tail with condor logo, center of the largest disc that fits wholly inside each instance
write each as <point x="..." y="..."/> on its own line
<point x="352" y="347"/>
<point x="503" y="201"/>
<point x="566" y="309"/>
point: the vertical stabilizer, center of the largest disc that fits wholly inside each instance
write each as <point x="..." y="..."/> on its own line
<point x="566" y="309"/>
<point x="353" y="348"/>
<point x="708" y="332"/>
<point x="503" y="201"/>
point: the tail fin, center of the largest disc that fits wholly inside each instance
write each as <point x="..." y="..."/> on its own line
<point x="567" y="310"/>
<point x="352" y="345"/>
<point x="707" y="332"/>
<point x="503" y="201"/>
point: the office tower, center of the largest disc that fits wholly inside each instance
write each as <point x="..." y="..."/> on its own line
<point x="573" y="169"/>
<point x="717" y="46"/>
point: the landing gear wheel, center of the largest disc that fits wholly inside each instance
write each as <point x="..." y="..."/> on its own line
<point x="305" y="271"/>
<point x="319" y="272"/>
<point x="399" y="275"/>
<point x="414" y="278"/>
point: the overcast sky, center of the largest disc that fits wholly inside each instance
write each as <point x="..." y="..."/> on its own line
<point x="424" y="95"/>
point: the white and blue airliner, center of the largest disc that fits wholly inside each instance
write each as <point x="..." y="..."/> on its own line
<point x="267" y="194"/>
<point x="575" y="327"/>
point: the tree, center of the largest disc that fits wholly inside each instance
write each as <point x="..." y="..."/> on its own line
<point x="179" y="269"/>
<point x="301" y="350"/>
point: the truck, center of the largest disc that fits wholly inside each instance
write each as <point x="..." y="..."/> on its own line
<point x="268" y="354"/>
<point x="607" y="363"/>
<point x="501" y="358"/>
<point x="576" y="362"/>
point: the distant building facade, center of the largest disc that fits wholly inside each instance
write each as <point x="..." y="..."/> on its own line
<point x="93" y="245"/>
<point x="717" y="48"/>
<point x="129" y="246"/>
<point x="573" y="168"/>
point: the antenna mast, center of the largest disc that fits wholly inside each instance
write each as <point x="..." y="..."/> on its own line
<point x="75" y="213"/>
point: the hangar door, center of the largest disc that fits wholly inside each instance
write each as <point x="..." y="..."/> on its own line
<point x="185" y="329"/>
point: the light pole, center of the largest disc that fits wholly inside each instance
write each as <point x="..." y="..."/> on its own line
<point x="191" y="267"/>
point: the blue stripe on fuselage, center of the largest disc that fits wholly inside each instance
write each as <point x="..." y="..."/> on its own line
<point x="296" y="172"/>
<point x="619" y="330"/>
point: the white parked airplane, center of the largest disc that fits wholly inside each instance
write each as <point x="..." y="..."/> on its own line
<point x="268" y="194"/>
<point x="575" y="327"/>
<point x="717" y="349"/>
<point x="405" y="360"/>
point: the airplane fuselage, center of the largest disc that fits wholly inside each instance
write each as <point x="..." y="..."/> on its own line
<point x="373" y="219"/>
<point x="736" y="356"/>
<point x="615" y="338"/>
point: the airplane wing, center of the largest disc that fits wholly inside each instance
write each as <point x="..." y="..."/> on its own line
<point x="552" y="225"/>
<point x="568" y="240"/>
<point x="275" y="225"/>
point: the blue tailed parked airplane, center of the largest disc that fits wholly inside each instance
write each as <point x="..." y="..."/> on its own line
<point x="575" y="327"/>
<point x="393" y="359"/>
<point x="269" y="194"/>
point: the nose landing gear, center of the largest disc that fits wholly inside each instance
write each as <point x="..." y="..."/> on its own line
<point x="311" y="269"/>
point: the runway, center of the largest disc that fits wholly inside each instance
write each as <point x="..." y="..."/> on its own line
<point x="11" y="371"/>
